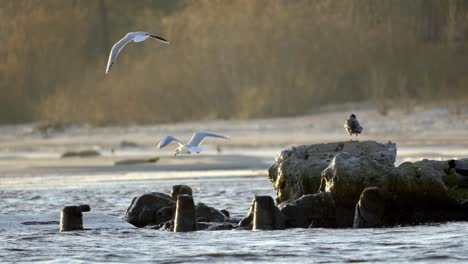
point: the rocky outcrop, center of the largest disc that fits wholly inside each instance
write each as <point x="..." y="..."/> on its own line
<point x="414" y="184"/>
<point x="378" y="208"/>
<point x="456" y="184"/>
<point x="360" y="186"/>
<point x="417" y="184"/>
<point x="298" y="170"/>
<point x="349" y="174"/>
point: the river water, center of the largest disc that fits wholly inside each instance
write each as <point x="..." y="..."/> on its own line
<point x="110" y="192"/>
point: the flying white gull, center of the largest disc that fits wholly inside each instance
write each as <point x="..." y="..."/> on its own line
<point x="131" y="36"/>
<point x="352" y="125"/>
<point x="193" y="146"/>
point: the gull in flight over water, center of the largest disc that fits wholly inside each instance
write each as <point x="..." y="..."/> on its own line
<point x="193" y="146"/>
<point x="131" y="36"/>
<point x="352" y="125"/>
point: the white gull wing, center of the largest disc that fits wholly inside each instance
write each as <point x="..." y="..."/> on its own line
<point x="168" y="139"/>
<point x="198" y="137"/>
<point x="142" y="36"/>
<point x="117" y="48"/>
<point x="136" y="37"/>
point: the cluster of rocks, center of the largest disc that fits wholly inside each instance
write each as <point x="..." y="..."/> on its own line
<point x="355" y="184"/>
<point x="176" y="212"/>
<point x="334" y="185"/>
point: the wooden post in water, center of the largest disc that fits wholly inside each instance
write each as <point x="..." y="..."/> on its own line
<point x="264" y="213"/>
<point x="71" y="217"/>
<point x="185" y="214"/>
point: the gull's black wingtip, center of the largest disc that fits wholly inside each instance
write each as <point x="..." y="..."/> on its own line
<point x="160" y="38"/>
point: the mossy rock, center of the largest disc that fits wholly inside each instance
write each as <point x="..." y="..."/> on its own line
<point x="460" y="194"/>
<point x="298" y="170"/>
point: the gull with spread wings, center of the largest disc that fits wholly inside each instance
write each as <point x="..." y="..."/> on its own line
<point x="193" y="146"/>
<point x="131" y="36"/>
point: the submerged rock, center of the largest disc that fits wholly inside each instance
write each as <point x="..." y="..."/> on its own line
<point x="206" y="213"/>
<point x="150" y="209"/>
<point x="81" y="154"/>
<point x="136" y="161"/>
<point x="210" y="226"/>
<point x="129" y="144"/>
<point x="298" y="170"/>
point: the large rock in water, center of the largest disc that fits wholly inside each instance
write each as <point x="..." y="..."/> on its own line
<point x="349" y="174"/>
<point x="156" y="209"/>
<point x="298" y="170"/>
<point x="311" y="210"/>
<point x="338" y="173"/>
<point x="417" y="184"/>
<point x="206" y="213"/>
<point x="150" y="209"/>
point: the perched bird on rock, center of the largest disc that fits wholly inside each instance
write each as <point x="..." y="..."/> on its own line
<point x="352" y="125"/>
<point x="452" y="164"/>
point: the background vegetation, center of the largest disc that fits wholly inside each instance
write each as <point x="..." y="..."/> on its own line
<point x="228" y="59"/>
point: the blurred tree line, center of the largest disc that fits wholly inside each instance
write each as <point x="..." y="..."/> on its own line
<point x="227" y="59"/>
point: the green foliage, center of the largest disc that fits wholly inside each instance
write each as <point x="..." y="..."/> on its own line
<point x="228" y="59"/>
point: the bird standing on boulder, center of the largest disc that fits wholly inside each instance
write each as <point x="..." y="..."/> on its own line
<point x="193" y="146"/>
<point x="131" y="36"/>
<point x="352" y="125"/>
